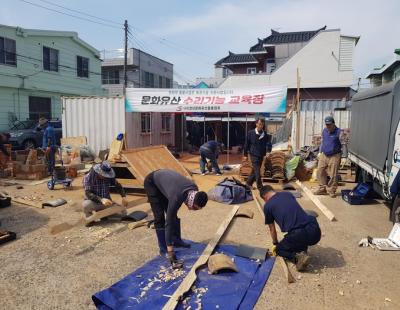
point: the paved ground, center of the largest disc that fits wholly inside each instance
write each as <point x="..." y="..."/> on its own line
<point x="42" y="271"/>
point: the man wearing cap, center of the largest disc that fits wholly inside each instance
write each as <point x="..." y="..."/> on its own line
<point x="97" y="184"/>
<point x="302" y="230"/>
<point x="48" y="143"/>
<point x="329" y="156"/>
<point x="166" y="191"/>
<point x="257" y="146"/>
<point x="209" y="150"/>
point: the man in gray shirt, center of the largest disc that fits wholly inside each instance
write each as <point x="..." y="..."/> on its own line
<point x="166" y="191"/>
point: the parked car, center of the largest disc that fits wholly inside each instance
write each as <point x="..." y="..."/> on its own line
<point x="28" y="135"/>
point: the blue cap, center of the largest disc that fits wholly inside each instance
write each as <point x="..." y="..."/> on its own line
<point x="329" y="120"/>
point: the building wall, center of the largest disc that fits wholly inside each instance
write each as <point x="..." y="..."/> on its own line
<point x="284" y="51"/>
<point x="317" y="67"/>
<point x="242" y="69"/>
<point x="135" y="138"/>
<point x="28" y="78"/>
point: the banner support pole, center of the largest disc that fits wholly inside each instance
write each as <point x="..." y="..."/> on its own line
<point x="227" y="150"/>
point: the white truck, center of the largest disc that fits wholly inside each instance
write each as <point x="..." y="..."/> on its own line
<point x="375" y="136"/>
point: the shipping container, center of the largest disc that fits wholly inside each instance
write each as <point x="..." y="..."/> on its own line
<point x="101" y="119"/>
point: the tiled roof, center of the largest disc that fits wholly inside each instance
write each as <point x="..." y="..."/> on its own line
<point x="258" y="48"/>
<point x="236" y="59"/>
<point x="290" y="37"/>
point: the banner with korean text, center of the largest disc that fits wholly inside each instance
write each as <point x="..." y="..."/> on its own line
<point x="206" y="100"/>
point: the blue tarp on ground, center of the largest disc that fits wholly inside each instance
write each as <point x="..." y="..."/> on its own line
<point x="226" y="290"/>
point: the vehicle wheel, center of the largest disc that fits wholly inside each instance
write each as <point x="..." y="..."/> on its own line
<point x="50" y="185"/>
<point x="29" y="144"/>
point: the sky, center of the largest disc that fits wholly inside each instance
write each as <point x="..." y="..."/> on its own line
<point x="193" y="35"/>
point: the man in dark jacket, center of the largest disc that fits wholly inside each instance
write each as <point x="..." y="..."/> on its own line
<point x="166" y="191"/>
<point x="256" y="145"/>
<point x="96" y="184"/>
<point x="210" y="151"/>
<point x="302" y="229"/>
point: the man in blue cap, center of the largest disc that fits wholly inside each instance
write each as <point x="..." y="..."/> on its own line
<point x="48" y="143"/>
<point x="329" y="158"/>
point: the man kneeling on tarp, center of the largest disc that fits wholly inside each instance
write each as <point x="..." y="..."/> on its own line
<point x="302" y="229"/>
<point x="97" y="184"/>
<point x="166" y="191"/>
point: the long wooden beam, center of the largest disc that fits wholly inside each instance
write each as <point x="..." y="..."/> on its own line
<point x="282" y="262"/>
<point x="187" y="283"/>
<point x="317" y="202"/>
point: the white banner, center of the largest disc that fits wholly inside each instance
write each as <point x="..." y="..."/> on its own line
<point x="206" y="100"/>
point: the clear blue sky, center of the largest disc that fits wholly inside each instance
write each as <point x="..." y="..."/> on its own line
<point x="193" y="35"/>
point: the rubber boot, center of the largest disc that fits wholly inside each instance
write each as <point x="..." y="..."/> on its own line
<point x="161" y="241"/>
<point x="176" y="238"/>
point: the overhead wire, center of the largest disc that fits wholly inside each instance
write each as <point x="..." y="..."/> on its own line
<point x="70" y="15"/>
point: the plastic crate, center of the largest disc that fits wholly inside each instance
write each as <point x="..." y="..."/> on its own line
<point x="351" y="199"/>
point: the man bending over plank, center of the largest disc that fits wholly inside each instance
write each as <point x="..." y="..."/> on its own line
<point x="97" y="184"/>
<point x="166" y="191"/>
<point x="302" y="229"/>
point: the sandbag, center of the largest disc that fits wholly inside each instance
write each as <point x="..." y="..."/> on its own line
<point x="230" y="191"/>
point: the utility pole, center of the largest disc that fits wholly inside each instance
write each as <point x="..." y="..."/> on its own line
<point x="126" y="55"/>
<point x="298" y="111"/>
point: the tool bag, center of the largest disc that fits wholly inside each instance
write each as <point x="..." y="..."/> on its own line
<point x="230" y="191"/>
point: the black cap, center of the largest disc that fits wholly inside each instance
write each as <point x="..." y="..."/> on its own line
<point x="200" y="199"/>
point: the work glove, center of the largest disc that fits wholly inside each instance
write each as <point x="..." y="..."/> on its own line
<point x="273" y="250"/>
<point x="175" y="263"/>
<point x="106" y="202"/>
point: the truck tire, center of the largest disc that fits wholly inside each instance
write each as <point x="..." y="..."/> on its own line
<point x="29" y="144"/>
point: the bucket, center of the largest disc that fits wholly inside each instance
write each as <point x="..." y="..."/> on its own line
<point x="59" y="173"/>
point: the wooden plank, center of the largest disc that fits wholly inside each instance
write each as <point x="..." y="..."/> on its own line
<point x="142" y="161"/>
<point x="27" y="202"/>
<point x="317" y="202"/>
<point x="74" y="141"/>
<point x="187" y="283"/>
<point x="282" y="262"/>
<point x="115" y="149"/>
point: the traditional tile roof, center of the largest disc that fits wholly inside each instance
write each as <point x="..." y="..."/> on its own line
<point x="258" y="48"/>
<point x="290" y="37"/>
<point x="233" y="59"/>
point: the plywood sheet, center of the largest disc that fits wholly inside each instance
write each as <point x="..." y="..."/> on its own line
<point x="147" y="159"/>
<point x="74" y="141"/>
<point x="115" y="149"/>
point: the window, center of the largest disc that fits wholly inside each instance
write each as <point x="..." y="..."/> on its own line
<point x="148" y="79"/>
<point x="165" y="122"/>
<point x="82" y="66"/>
<point x="146" y="122"/>
<point x="252" y="70"/>
<point x="110" y="77"/>
<point x="8" y="53"/>
<point x="168" y="83"/>
<point x="50" y="59"/>
<point x="39" y="107"/>
<point x="160" y="82"/>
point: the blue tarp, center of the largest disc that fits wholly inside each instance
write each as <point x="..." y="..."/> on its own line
<point x="226" y="290"/>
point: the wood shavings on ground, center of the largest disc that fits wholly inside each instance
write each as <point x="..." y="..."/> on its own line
<point x="164" y="275"/>
<point x="197" y="294"/>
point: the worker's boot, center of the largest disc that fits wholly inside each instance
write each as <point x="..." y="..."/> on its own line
<point x="161" y="241"/>
<point x="320" y="191"/>
<point x="176" y="237"/>
<point x="302" y="260"/>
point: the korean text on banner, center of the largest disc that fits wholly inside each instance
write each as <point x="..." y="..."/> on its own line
<point x="249" y="100"/>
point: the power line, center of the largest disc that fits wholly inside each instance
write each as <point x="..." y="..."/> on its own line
<point x="71" y="15"/>
<point x="82" y="13"/>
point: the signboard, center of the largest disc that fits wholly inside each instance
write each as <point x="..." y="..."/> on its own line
<point x="247" y="100"/>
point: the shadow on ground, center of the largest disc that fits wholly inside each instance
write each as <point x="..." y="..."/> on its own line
<point x="21" y="220"/>
<point x="325" y="257"/>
